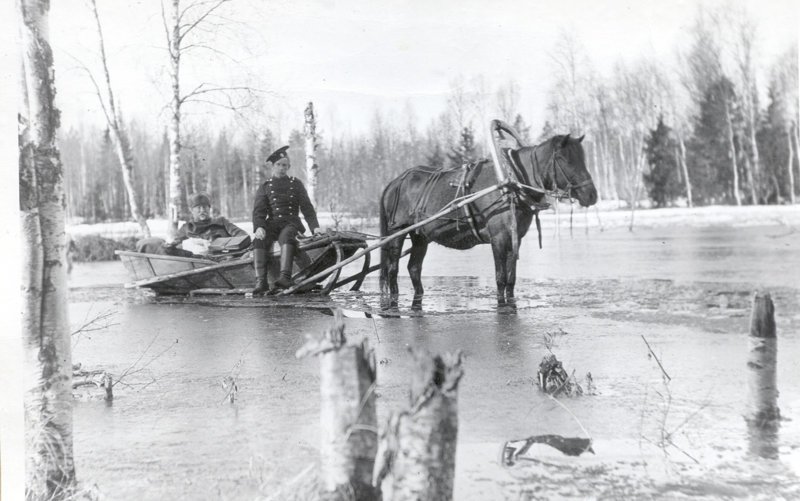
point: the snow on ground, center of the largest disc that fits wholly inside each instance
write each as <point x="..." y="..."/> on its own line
<point x="607" y="216"/>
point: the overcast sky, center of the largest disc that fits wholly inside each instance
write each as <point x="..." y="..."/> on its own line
<point x="350" y="57"/>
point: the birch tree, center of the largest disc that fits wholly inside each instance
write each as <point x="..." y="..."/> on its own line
<point x="116" y="127"/>
<point x="507" y="99"/>
<point x="47" y="378"/>
<point x="640" y="94"/>
<point x="179" y="23"/>
<point x="310" y="134"/>
<point x="745" y="49"/>
<point x="569" y="93"/>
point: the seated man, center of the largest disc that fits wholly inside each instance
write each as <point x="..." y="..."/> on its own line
<point x="276" y="217"/>
<point x="201" y="226"/>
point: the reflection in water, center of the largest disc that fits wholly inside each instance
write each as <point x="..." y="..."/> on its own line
<point x="762" y="439"/>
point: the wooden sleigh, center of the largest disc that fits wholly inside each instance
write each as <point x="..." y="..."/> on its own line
<point x="236" y="275"/>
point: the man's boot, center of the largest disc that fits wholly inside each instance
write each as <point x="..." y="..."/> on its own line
<point x="287" y="260"/>
<point x="260" y="263"/>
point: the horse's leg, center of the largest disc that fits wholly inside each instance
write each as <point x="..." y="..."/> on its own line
<point x="500" y="251"/>
<point x="390" y="257"/>
<point x="419" y="247"/>
<point x="511" y="276"/>
<point x="390" y="261"/>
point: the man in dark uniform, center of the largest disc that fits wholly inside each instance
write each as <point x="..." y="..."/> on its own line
<point x="275" y="217"/>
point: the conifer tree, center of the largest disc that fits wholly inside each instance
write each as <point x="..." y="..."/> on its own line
<point x="662" y="182"/>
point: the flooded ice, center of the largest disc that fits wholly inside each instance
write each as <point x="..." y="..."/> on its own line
<point x="171" y="433"/>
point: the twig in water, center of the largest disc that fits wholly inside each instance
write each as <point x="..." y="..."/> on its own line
<point x="94" y="324"/>
<point x="375" y="326"/>
<point x="133" y="369"/>
<point x="230" y="381"/>
<point x="663" y="371"/>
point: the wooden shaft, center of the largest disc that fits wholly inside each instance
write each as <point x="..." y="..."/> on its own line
<point x="380" y="243"/>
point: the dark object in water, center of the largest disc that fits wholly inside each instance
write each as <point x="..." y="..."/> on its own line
<point x="512" y="450"/>
<point x="554" y="380"/>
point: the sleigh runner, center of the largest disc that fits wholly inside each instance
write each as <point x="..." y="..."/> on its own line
<point x="226" y="274"/>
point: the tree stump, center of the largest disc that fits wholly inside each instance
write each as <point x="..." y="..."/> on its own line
<point x="349" y="426"/>
<point x="762" y="413"/>
<point x="417" y="451"/>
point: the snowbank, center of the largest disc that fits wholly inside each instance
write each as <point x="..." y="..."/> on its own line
<point x="718" y="215"/>
<point x="606" y="216"/>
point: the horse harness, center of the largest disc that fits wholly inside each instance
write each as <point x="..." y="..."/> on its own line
<point x="468" y="175"/>
<point x="557" y="169"/>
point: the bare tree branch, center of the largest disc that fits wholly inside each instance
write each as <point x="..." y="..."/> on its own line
<point x="114" y="123"/>
<point x="199" y="90"/>
<point x="96" y="87"/>
<point x="166" y="29"/>
<point x="187" y="48"/>
<point x="94" y="323"/>
<point x="190" y="27"/>
<point x="135" y="368"/>
<point x="194" y="5"/>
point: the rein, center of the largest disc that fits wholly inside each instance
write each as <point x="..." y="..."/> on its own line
<point x="555" y="166"/>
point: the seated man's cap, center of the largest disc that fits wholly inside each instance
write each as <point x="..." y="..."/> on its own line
<point x="200" y="198"/>
<point x="278" y="154"/>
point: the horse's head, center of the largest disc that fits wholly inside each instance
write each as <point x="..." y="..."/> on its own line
<point x="562" y="165"/>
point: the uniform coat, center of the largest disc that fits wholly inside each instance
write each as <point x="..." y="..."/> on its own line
<point x="277" y="206"/>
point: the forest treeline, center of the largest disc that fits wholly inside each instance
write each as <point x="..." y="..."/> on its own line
<point x="716" y="124"/>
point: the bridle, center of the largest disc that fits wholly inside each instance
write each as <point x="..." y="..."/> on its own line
<point x="554" y="165"/>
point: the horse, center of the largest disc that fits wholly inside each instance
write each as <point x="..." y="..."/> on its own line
<point x="556" y="166"/>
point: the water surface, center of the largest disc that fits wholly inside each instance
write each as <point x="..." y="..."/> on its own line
<point x="172" y="434"/>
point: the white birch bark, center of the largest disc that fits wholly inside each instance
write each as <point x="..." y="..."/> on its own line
<point x="790" y="163"/>
<point x="47" y="373"/>
<point x="732" y="152"/>
<point x="174" y="128"/>
<point x="755" y="171"/>
<point x="311" y="155"/>
<point x="685" y="170"/>
<point x="118" y="133"/>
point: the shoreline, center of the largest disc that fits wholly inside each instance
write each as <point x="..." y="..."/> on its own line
<point x="600" y="218"/>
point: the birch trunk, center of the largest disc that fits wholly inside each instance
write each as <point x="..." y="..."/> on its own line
<point x="246" y="204"/>
<point x="47" y="376"/>
<point x="85" y="200"/>
<point x="311" y="153"/>
<point x="612" y="177"/>
<point x="637" y="184"/>
<point x="732" y="152"/>
<point x="174" y="129"/>
<point x="748" y="167"/>
<point x="755" y="173"/>
<point x="790" y="164"/>
<point x="685" y="171"/>
<point x="121" y="141"/>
